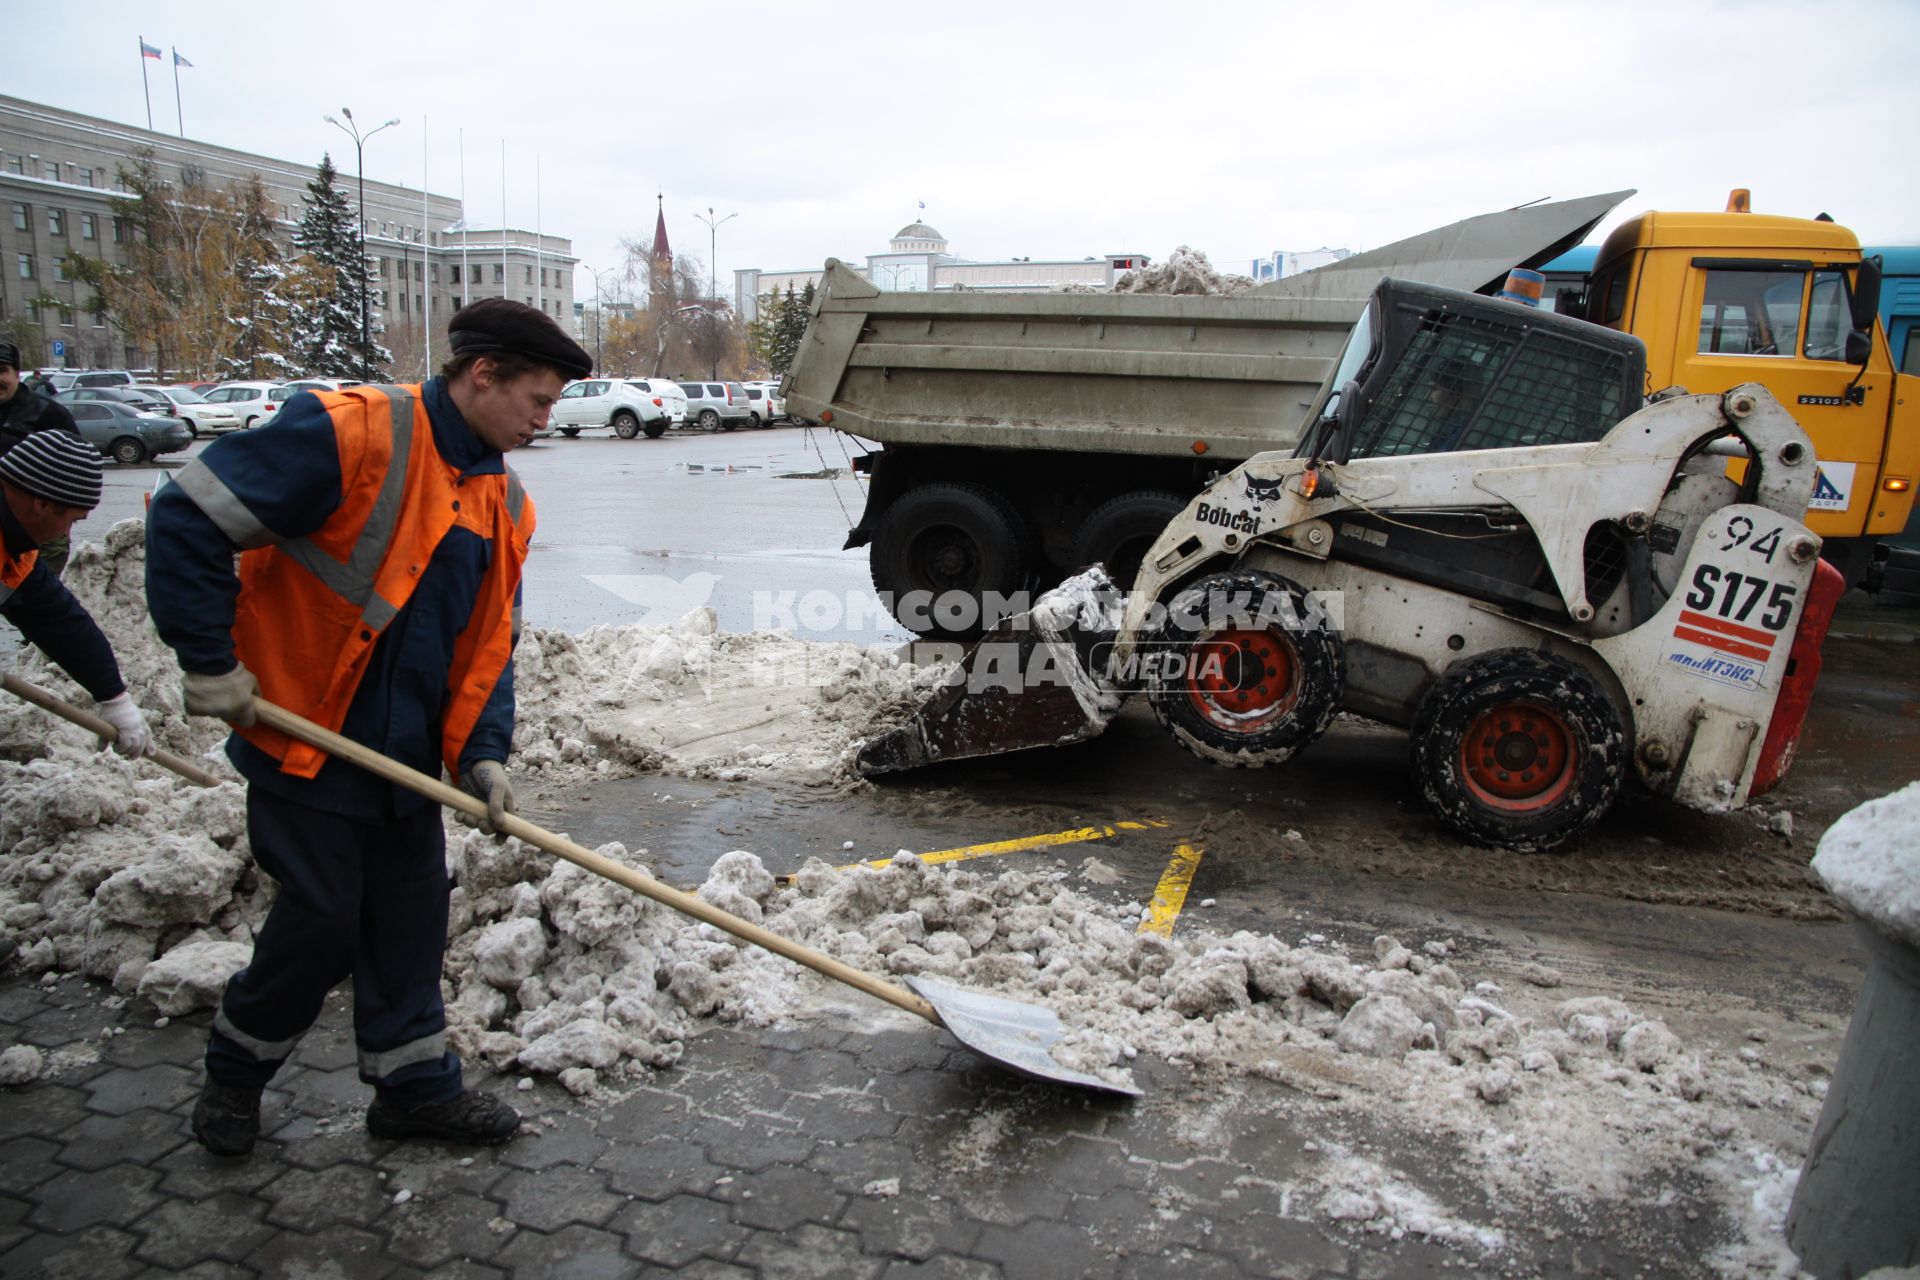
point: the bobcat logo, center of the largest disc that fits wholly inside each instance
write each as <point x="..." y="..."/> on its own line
<point x="1263" y="490"/>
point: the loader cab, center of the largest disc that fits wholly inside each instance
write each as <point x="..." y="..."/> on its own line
<point x="1433" y="370"/>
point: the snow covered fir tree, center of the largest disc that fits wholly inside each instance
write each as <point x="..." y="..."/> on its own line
<point x="329" y="289"/>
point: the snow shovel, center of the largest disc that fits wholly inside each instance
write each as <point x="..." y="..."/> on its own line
<point x="1012" y="1033"/>
<point x="94" y="724"/>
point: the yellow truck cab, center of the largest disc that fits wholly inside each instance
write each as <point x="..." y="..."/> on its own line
<point x="1726" y="298"/>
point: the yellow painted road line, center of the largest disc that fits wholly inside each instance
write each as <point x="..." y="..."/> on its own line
<point x="1171" y="893"/>
<point x="1051" y="840"/>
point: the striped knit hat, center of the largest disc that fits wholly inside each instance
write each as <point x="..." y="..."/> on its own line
<point x="56" y="465"/>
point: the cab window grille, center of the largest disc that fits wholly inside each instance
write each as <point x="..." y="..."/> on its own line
<point x="1470" y="382"/>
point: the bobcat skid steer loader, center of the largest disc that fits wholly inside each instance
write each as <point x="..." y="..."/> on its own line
<point x="1580" y="593"/>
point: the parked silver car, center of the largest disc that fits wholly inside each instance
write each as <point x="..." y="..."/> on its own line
<point x="127" y="435"/>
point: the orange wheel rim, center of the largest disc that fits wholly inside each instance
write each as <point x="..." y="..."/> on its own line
<point x="1243" y="680"/>
<point x="1519" y="757"/>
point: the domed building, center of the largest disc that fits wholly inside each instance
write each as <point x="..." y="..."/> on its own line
<point x="916" y="260"/>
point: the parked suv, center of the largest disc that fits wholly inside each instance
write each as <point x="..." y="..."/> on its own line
<point x="619" y="403"/>
<point x="716" y="406"/>
<point x="764" y="403"/>
<point x="103" y="378"/>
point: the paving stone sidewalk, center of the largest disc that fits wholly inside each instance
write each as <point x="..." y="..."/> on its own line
<point x="828" y="1150"/>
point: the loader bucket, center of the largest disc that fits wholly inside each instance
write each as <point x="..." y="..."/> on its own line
<point x="1031" y="682"/>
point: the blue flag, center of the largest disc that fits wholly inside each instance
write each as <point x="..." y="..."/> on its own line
<point x="179" y="61"/>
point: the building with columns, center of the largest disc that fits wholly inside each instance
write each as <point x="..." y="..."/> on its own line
<point x="916" y="260"/>
<point x="58" y="180"/>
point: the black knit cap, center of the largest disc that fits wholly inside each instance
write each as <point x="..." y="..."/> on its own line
<point x="512" y="328"/>
<point x="56" y="465"/>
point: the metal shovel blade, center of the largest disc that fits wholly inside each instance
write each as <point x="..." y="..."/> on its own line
<point x="1013" y="1033"/>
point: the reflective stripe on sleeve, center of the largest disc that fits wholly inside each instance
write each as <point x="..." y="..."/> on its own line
<point x="222" y="506"/>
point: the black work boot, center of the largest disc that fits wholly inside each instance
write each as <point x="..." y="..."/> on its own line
<point x="227" y="1120"/>
<point x="471" y="1117"/>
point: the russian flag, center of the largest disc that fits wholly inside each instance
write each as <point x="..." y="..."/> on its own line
<point x="149" y="51"/>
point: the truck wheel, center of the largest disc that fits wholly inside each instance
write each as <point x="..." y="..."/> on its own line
<point x="128" y="451"/>
<point x="942" y="538"/>
<point x="709" y="420"/>
<point x="569" y="432"/>
<point x="656" y="428"/>
<point x="1246" y="670"/>
<point x="1118" y="532"/>
<point x="625" y="425"/>
<point x="1518" y="750"/>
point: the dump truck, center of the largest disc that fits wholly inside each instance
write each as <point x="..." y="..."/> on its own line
<point x="1026" y="435"/>
<point x="1486" y="538"/>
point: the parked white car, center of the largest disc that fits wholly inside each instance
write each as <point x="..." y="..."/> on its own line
<point x="207" y="417"/>
<point x="618" y="403"/>
<point x="672" y="398"/>
<point x="252" y="402"/>
<point x="716" y="406"/>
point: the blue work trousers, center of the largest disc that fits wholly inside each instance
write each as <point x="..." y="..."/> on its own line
<point x="355" y="897"/>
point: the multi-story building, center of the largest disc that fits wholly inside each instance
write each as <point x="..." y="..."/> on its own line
<point x="1291" y="262"/>
<point x="917" y="260"/>
<point x="59" y="177"/>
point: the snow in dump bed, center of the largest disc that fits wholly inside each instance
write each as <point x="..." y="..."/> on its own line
<point x="1870" y="861"/>
<point x="1185" y="271"/>
<point x="117" y="870"/>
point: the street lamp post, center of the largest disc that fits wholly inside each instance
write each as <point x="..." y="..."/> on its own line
<point x="713" y="268"/>
<point x="599" y="352"/>
<point x="352" y="129"/>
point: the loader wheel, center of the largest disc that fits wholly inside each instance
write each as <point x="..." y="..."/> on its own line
<point x="656" y="428"/>
<point x="947" y="538"/>
<point x="1246" y="670"/>
<point x="1518" y="750"/>
<point x="1118" y="532"/>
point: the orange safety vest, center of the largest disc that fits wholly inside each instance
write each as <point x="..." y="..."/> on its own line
<point x="311" y="609"/>
<point x="14" y="570"/>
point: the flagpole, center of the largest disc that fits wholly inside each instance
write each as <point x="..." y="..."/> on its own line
<point x="145" y="90"/>
<point x="504" y="282"/>
<point x="426" y="230"/>
<point x="466" y="273"/>
<point x="538" y="261"/>
<point x="178" y="114"/>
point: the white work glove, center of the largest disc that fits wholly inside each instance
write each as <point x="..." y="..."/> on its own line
<point x="487" y="779"/>
<point x="228" y="696"/>
<point x="132" y="737"/>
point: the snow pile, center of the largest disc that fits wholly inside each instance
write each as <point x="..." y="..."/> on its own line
<point x="554" y="970"/>
<point x="1870" y="861"/>
<point x="1185" y="271"/>
<point x="107" y="865"/>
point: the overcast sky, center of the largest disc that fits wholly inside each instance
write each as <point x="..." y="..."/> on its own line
<point x="1034" y="129"/>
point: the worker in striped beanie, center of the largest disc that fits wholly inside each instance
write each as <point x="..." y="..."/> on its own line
<point x="48" y="482"/>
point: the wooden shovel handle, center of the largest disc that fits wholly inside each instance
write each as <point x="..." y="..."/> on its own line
<point x="47" y="702"/>
<point x="367" y="758"/>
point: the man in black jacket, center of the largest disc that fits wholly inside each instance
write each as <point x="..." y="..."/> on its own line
<point x="23" y="412"/>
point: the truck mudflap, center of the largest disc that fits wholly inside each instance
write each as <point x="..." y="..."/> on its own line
<point x="1033" y="681"/>
<point x="1803" y="670"/>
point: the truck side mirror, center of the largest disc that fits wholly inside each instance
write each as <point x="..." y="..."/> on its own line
<point x="1859" y="346"/>
<point x="1866" y="294"/>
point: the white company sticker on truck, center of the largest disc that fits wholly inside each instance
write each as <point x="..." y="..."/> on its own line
<point x="1832" y="486"/>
